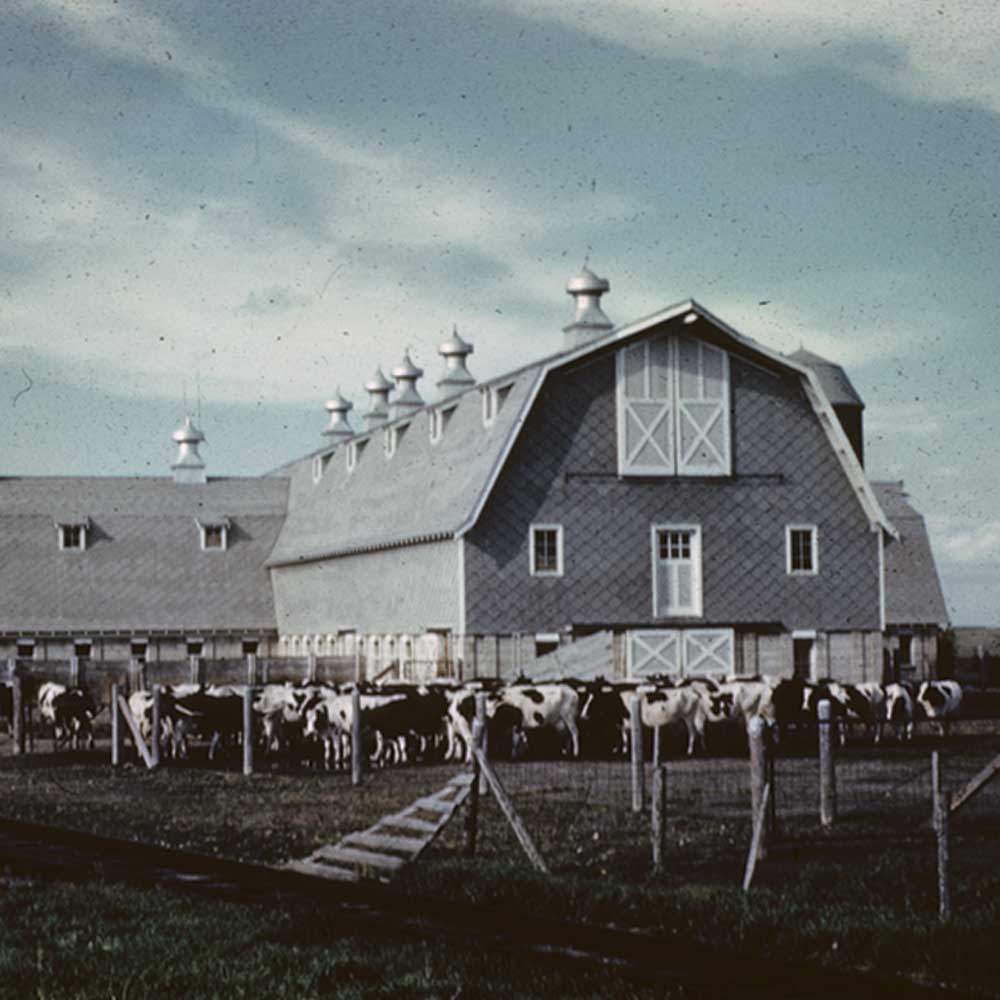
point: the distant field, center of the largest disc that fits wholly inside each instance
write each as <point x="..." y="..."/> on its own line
<point x="863" y="897"/>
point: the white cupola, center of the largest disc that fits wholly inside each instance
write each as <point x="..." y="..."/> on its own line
<point x="378" y="389"/>
<point x="339" y="426"/>
<point x="590" y="321"/>
<point x="407" y="398"/>
<point x="456" y="376"/>
<point x="189" y="467"/>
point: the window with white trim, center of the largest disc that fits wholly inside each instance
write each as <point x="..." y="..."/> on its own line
<point x="72" y="536"/>
<point x="673" y="408"/>
<point x="213" y="537"/>
<point x="493" y="399"/>
<point x="83" y="649"/>
<point x="677" y="570"/>
<point x="393" y="435"/>
<point x="195" y="647"/>
<point x="354" y="450"/>
<point x="249" y="647"/>
<point x="319" y="464"/>
<point x="138" y="649"/>
<point x="708" y="652"/>
<point x="802" y="549"/>
<point x="25" y="649"/>
<point x="546" y="545"/>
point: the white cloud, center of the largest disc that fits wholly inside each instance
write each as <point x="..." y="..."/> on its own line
<point x="933" y="51"/>
<point x="979" y="544"/>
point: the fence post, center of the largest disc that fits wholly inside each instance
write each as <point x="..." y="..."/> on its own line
<point x="311" y="668"/>
<point x="247" y="730"/>
<point x="827" y="772"/>
<point x="18" y="720"/>
<point x="154" y="738"/>
<point x="357" y="660"/>
<point x="74" y="671"/>
<point x="194" y="664"/>
<point x="480" y="736"/>
<point x="935" y="776"/>
<point x="638" y="764"/>
<point x="472" y="816"/>
<point x="758" y="777"/>
<point x="657" y="745"/>
<point x="116" y="728"/>
<point x="659" y="815"/>
<point x="942" y="822"/>
<point x="357" y="750"/>
<point x="251" y="669"/>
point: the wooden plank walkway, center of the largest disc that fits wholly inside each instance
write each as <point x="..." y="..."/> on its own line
<point x="396" y="840"/>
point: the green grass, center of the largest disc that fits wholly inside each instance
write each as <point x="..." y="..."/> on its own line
<point x="75" y="942"/>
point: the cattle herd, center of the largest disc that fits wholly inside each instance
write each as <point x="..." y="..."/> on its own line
<point x="402" y="723"/>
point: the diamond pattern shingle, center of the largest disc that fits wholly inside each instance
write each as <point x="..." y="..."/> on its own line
<point x="564" y="470"/>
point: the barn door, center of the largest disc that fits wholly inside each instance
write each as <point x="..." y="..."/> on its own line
<point x="708" y="652"/>
<point x="646" y="411"/>
<point x="702" y="402"/>
<point x="654" y="653"/>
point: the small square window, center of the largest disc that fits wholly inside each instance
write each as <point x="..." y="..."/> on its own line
<point x="250" y="647"/>
<point x="546" y="550"/>
<point x="82" y="649"/>
<point x="195" y="647"/>
<point x="138" y="649"/>
<point x="802" y="549"/>
<point x="72" y="536"/>
<point x="25" y="649"/>
<point x="215" y="536"/>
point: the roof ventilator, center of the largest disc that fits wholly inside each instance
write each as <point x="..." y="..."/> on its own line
<point x="378" y="389"/>
<point x="407" y="398"/>
<point x="456" y="376"/>
<point x="590" y="321"/>
<point x="339" y="426"/>
<point x="189" y="467"/>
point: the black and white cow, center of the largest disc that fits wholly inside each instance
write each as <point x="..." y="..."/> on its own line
<point x="692" y="704"/>
<point x="70" y="711"/>
<point x="899" y="710"/>
<point x="941" y="701"/>
<point x="534" y="709"/>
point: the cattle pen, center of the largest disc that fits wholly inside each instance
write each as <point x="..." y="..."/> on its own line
<point x="867" y="848"/>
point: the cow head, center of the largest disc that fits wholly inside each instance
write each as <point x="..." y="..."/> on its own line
<point x="720" y="705"/>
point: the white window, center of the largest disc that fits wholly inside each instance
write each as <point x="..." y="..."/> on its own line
<point x="677" y="570"/>
<point x="546" y="544"/>
<point x="25" y="649"/>
<point x="673" y="408"/>
<point x="392" y="437"/>
<point x="681" y="652"/>
<point x="213" y="536"/>
<point x="802" y="549"/>
<point x="493" y="399"/>
<point x="354" y="450"/>
<point x="439" y="419"/>
<point x="318" y="465"/>
<point x="72" y="536"/>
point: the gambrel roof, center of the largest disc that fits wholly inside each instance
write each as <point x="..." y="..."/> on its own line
<point x="913" y="593"/>
<point x="429" y="491"/>
<point x="143" y="568"/>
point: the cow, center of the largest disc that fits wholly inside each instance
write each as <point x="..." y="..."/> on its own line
<point x="899" y="710"/>
<point x="7" y="705"/>
<point x="538" y="708"/>
<point x="604" y="717"/>
<point x="742" y="698"/>
<point x="940" y="701"/>
<point x="70" y="711"/>
<point x="281" y="709"/>
<point x="216" y="712"/>
<point x="331" y="719"/>
<point x="690" y="704"/>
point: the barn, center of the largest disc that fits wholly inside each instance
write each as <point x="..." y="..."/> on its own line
<point x="672" y="484"/>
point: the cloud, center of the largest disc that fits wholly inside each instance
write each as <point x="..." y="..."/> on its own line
<point x="934" y="52"/>
<point x="979" y="544"/>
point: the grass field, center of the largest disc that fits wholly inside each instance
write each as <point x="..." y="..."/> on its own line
<point x="863" y="897"/>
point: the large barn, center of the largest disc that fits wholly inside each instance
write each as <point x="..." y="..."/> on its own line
<point x="694" y="494"/>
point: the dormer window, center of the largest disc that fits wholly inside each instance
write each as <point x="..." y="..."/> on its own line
<point x="493" y="399"/>
<point x="318" y="465"/>
<point x="393" y="435"/>
<point x="354" y="450"/>
<point x="214" y="533"/>
<point x="439" y="419"/>
<point x="73" y="533"/>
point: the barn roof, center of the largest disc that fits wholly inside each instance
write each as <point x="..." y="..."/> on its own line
<point x="429" y="491"/>
<point x="913" y="593"/>
<point x="836" y="385"/>
<point x="143" y="568"/>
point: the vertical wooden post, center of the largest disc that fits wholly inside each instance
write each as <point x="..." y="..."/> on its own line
<point x="480" y="735"/>
<point x="311" y="668"/>
<point x="19" y="714"/>
<point x="827" y="772"/>
<point x="357" y="659"/>
<point x="194" y="666"/>
<point x="251" y="669"/>
<point x="758" y="778"/>
<point x="472" y="816"/>
<point x="116" y="728"/>
<point x="357" y="750"/>
<point x="74" y="671"/>
<point x="942" y="821"/>
<point x="154" y="737"/>
<point x="638" y="763"/>
<point x="248" y="730"/>
<point x="935" y="776"/>
<point x="659" y="815"/>
<point x="657" y="745"/>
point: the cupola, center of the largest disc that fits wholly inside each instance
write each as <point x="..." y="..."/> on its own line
<point x="378" y="389"/>
<point x="339" y="426"/>
<point x="456" y="376"/>
<point x="589" y="321"/>
<point x="189" y="467"/>
<point x="407" y="398"/>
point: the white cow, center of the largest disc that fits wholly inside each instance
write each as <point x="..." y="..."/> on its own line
<point x="899" y="710"/>
<point x="543" y="706"/>
<point x="941" y="702"/>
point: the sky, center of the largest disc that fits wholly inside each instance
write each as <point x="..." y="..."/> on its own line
<point x="234" y="208"/>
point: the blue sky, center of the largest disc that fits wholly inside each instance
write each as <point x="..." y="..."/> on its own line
<point x="250" y="204"/>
